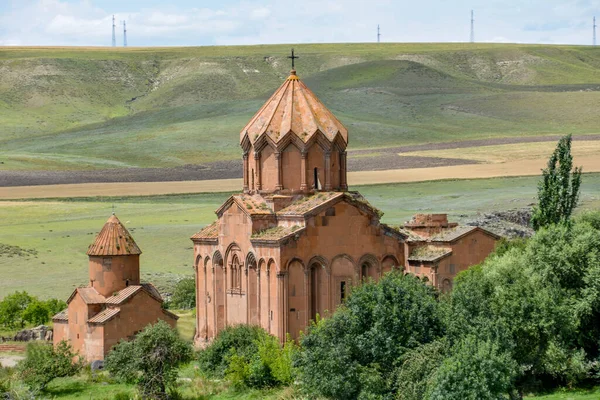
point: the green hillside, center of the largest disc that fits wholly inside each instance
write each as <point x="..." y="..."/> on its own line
<point x="80" y="108"/>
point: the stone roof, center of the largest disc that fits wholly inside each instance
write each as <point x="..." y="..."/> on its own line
<point x="62" y="316"/>
<point x="250" y="204"/>
<point x="130" y="291"/>
<point x="277" y="233"/>
<point x="304" y="205"/>
<point x="113" y="240"/>
<point x="429" y="253"/>
<point x="104" y="316"/>
<point x="208" y="232"/>
<point x="89" y="295"/>
<point x="293" y="109"/>
<point x="450" y="235"/>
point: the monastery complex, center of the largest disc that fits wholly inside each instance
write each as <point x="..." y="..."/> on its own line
<point x="295" y="241"/>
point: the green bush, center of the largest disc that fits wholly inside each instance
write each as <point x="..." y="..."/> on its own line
<point x="184" y="295"/>
<point x="151" y="360"/>
<point x="379" y="323"/>
<point x="12" y="308"/>
<point x="37" y="313"/>
<point x="417" y="368"/>
<point x="475" y="371"/>
<point x="248" y="357"/>
<point x="43" y="363"/>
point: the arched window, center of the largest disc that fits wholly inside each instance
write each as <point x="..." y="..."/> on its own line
<point x="236" y="273"/>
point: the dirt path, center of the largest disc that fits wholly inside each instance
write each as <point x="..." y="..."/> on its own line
<point x="513" y="168"/>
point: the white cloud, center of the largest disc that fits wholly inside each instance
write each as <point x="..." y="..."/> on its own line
<point x="86" y="22"/>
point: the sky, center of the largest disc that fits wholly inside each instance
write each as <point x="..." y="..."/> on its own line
<point x="245" y="22"/>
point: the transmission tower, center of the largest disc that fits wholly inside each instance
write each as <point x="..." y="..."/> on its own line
<point x="472" y="39"/>
<point x="124" y="34"/>
<point x="595" y="26"/>
<point x="114" y="38"/>
<point x="378" y="34"/>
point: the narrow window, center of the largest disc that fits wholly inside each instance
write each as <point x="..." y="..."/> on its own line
<point x="316" y="178"/>
<point x="365" y="271"/>
<point x="342" y="291"/>
<point x="126" y="282"/>
<point x="252" y="179"/>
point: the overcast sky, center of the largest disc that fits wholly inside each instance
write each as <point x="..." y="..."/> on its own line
<point x="194" y="23"/>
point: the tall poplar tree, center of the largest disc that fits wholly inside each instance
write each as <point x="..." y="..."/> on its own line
<point x="558" y="191"/>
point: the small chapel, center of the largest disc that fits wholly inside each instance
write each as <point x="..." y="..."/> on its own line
<point x="295" y="241"/>
<point x="115" y="305"/>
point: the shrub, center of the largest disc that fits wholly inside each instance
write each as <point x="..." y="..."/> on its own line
<point x="43" y="363"/>
<point x="378" y="324"/>
<point x="151" y="360"/>
<point x="476" y="371"/>
<point x="184" y="295"/>
<point x="248" y="357"/>
<point x="417" y="368"/>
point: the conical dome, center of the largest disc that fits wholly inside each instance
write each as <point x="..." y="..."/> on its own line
<point x="293" y="108"/>
<point x="113" y="240"/>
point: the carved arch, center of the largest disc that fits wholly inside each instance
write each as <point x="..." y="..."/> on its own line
<point x="251" y="261"/>
<point x="197" y="262"/>
<point x="206" y="261"/>
<point x="321" y="261"/>
<point x="371" y="259"/>
<point x="295" y="259"/>
<point x="217" y="259"/>
<point x="343" y="255"/>
<point x="231" y="248"/>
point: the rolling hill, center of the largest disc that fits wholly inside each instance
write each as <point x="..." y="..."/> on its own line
<point x="98" y="108"/>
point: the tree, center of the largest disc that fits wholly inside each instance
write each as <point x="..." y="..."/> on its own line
<point x="43" y="363"/>
<point x="478" y="370"/>
<point x="13" y="307"/>
<point x="151" y="360"/>
<point x="37" y="313"/>
<point x="184" y="296"/>
<point x="354" y="353"/>
<point x="558" y="191"/>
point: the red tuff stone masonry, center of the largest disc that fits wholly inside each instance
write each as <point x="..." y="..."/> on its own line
<point x="295" y="242"/>
<point x="115" y="305"/>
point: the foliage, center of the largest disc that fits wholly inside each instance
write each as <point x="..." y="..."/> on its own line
<point x="558" y="191"/>
<point x="475" y="371"/>
<point x="12" y="308"/>
<point x="248" y="357"/>
<point x="367" y="337"/>
<point x="19" y="308"/>
<point x="150" y="360"/>
<point x="37" y="312"/>
<point x="539" y="303"/>
<point x="184" y="296"/>
<point x="43" y="363"/>
<point x="417" y="369"/>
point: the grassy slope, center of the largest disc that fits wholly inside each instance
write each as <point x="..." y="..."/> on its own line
<point x="60" y="231"/>
<point x="73" y="107"/>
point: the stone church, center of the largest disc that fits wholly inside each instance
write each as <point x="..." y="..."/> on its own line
<point x="115" y="305"/>
<point x="295" y="241"/>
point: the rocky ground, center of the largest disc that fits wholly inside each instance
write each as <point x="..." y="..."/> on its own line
<point x="509" y="224"/>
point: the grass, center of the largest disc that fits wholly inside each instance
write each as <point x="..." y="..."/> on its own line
<point x="61" y="230"/>
<point x="90" y="108"/>
<point x="569" y="394"/>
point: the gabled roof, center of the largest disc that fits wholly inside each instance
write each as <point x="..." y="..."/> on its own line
<point x="295" y="109"/>
<point x="249" y="204"/>
<point x="62" y="316"/>
<point x="104" y="316"/>
<point x="307" y="206"/>
<point x="208" y="232"/>
<point x="451" y="235"/>
<point x="89" y="295"/>
<point x="113" y="240"/>
<point x="125" y="294"/>
<point x="277" y="233"/>
<point x="429" y="253"/>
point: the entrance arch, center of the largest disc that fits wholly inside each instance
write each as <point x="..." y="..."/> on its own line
<point x="220" y="292"/>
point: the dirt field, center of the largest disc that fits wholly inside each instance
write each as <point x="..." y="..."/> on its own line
<point x="485" y="159"/>
<point x="590" y="163"/>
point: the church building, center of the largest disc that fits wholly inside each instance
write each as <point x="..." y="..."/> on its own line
<point x="115" y="305"/>
<point x="295" y="241"/>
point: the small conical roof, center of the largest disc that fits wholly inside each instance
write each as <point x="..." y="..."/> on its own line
<point x="113" y="240"/>
<point x="293" y="108"/>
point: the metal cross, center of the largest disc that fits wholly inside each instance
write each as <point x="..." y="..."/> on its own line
<point x="293" y="57"/>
